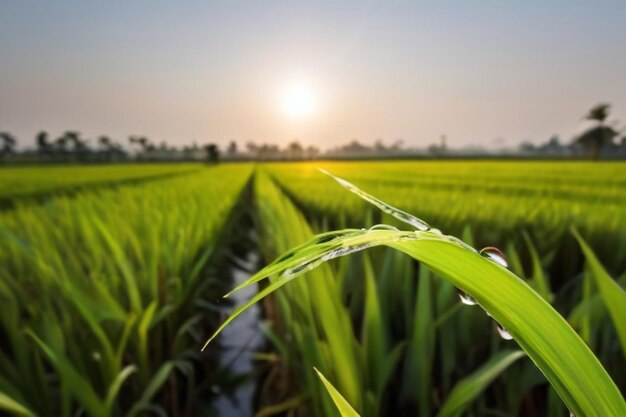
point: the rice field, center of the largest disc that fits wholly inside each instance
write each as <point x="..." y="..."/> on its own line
<point x="109" y="293"/>
<point x="31" y="182"/>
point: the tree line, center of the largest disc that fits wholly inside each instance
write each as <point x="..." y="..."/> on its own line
<point x="602" y="139"/>
<point x="71" y="146"/>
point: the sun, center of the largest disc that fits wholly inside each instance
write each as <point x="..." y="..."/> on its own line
<point x="299" y="101"/>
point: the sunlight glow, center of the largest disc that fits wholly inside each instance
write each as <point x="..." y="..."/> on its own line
<point x="299" y="101"/>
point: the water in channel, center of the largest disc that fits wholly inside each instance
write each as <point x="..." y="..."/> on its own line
<point x="239" y="342"/>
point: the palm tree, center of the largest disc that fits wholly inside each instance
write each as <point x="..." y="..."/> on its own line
<point x="8" y="143"/>
<point x="212" y="153"/>
<point x="43" y="146"/>
<point x="599" y="113"/>
<point x="294" y="150"/>
<point x="105" y="142"/>
<point x="600" y="135"/>
<point x="60" y="144"/>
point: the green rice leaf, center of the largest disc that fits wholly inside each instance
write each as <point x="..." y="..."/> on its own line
<point x="9" y="404"/>
<point x="613" y="295"/>
<point x="563" y="357"/>
<point x="345" y="409"/>
<point x="80" y="387"/>
<point x="471" y="386"/>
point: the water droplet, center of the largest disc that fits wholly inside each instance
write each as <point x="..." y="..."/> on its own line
<point x="495" y="255"/>
<point x="397" y="213"/>
<point x="302" y="268"/>
<point x="384" y="227"/>
<point x="343" y="251"/>
<point x="504" y="333"/>
<point x="459" y="242"/>
<point x="466" y="299"/>
<point x="571" y="414"/>
<point x="96" y="356"/>
<point x="436" y="231"/>
<point x="363" y="229"/>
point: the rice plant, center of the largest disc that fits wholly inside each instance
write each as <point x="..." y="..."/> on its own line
<point x="19" y="183"/>
<point x="102" y="295"/>
<point x="497" y="199"/>
<point x="519" y="311"/>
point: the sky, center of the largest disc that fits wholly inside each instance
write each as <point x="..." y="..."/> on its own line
<point x="490" y="73"/>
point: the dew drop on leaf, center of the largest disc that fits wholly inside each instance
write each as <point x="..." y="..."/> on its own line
<point x="466" y="299"/>
<point x="302" y="268"/>
<point x="494" y="255"/>
<point x="383" y="227"/>
<point x="504" y="333"/>
<point x="343" y="251"/>
<point x="401" y="215"/>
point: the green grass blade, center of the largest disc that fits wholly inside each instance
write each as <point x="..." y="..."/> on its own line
<point x="613" y="295"/>
<point x="345" y="409"/>
<point x="80" y="387"/>
<point x="152" y="388"/>
<point x="375" y="338"/>
<point x="421" y="348"/>
<point x="116" y="385"/>
<point x="471" y="386"/>
<point x="9" y="404"/>
<point x="539" y="279"/>
<point x="122" y="263"/>
<point x="563" y="357"/>
<point x="567" y="362"/>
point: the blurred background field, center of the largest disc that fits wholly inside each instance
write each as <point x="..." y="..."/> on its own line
<point x="110" y="289"/>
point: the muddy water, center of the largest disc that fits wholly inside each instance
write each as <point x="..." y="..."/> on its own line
<point x="239" y="341"/>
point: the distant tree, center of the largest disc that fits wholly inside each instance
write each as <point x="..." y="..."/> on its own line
<point x="60" y="144"/>
<point x="143" y="142"/>
<point x="8" y="142"/>
<point x="212" y="153"/>
<point x="253" y="149"/>
<point x="295" y="150"/>
<point x="232" y="148"/>
<point x="110" y="149"/>
<point x="439" y="149"/>
<point x="527" y="147"/>
<point x="104" y="142"/>
<point x="355" y="147"/>
<point x="73" y="138"/>
<point x="554" y="141"/>
<point x="311" y="152"/>
<point x="599" y="136"/>
<point x="78" y="145"/>
<point x="379" y="146"/>
<point x="599" y="113"/>
<point x="43" y="146"/>
<point x="268" y="151"/>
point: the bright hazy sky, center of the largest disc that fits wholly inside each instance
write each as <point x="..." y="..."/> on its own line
<point x="214" y="71"/>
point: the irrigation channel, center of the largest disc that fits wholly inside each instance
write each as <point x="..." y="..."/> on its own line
<point x="239" y="343"/>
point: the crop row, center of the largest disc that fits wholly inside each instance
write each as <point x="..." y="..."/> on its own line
<point x="396" y="341"/>
<point x="102" y="294"/>
<point x="21" y="182"/>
